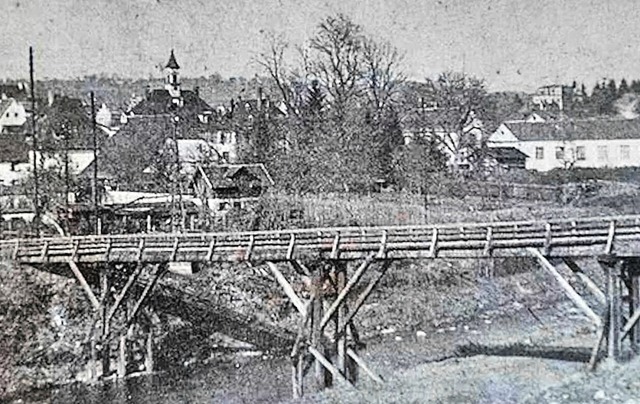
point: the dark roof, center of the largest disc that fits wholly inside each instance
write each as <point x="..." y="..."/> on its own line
<point x="14" y="148"/>
<point x="506" y="153"/>
<point x="17" y="91"/>
<point x="576" y="129"/>
<point x="4" y="104"/>
<point x="160" y="102"/>
<point x="224" y="175"/>
<point x="172" y="64"/>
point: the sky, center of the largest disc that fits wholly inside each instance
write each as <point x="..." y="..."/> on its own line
<point x="514" y="45"/>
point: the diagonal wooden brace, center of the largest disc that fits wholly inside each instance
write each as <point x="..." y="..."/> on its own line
<point x="124" y="291"/>
<point x="288" y="289"/>
<point x="85" y="286"/>
<point x="568" y="289"/>
<point x="345" y="292"/>
<point x="147" y="289"/>
<point x="363" y="297"/>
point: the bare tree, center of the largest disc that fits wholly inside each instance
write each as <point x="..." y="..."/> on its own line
<point x="383" y="75"/>
<point x="336" y="59"/>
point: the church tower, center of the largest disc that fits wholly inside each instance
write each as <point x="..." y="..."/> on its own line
<point x="172" y="79"/>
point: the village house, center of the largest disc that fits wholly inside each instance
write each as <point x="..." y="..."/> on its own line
<point x="12" y="115"/>
<point x="591" y="143"/>
<point x="556" y="96"/>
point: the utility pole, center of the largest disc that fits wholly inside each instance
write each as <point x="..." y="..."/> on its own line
<point x="94" y="184"/>
<point x="36" y="218"/>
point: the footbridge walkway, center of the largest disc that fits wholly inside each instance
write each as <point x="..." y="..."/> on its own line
<point x="341" y="267"/>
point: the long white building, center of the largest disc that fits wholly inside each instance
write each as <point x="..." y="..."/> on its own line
<point x="592" y="143"/>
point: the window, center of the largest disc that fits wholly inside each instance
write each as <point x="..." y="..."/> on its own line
<point x="580" y="153"/>
<point x="603" y="153"/>
<point x="559" y="153"/>
<point x="15" y="114"/>
<point x="625" y="151"/>
<point x="539" y="153"/>
<point x="225" y="156"/>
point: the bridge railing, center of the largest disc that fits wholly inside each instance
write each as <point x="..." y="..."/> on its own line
<point x="585" y="236"/>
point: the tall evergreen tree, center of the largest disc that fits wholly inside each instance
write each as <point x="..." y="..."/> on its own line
<point x="624" y="87"/>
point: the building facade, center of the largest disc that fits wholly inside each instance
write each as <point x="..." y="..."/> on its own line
<point x="594" y="143"/>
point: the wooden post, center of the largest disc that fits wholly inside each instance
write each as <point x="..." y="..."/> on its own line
<point x="148" y="358"/>
<point x="615" y="309"/>
<point x="341" y="342"/>
<point x="122" y="356"/>
<point x="317" y="310"/>
<point x="634" y="307"/>
<point x="104" y="337"/>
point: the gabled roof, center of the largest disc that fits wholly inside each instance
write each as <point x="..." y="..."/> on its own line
<point x="159" y="101"/>
<point x="591" y="129"/>
<point x="172" y="64"/>
<point x="4" y="105"/>
<point x="17" y="91"/>
<point x="224" y="175"/>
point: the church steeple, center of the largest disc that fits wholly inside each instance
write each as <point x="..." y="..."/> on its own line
<point x="172" y="80"/>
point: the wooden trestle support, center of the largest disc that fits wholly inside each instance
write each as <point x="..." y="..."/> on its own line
<point x="121" y="337"/>
<point x="327" y="338"/>
<point x="617" y="323"/>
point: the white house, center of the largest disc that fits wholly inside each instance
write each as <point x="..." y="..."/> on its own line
<point x="592" y="143"/>
<point x="12" y="114"/>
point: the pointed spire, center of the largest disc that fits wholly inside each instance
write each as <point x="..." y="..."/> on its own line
<point x="172" y="64"/>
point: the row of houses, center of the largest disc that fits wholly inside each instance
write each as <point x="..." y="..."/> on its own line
<point x="171" y="129"/>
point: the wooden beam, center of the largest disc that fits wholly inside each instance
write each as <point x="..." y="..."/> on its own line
<point x="634" y="304"/>
<point x="160" y="271"/>
<point x="358" y="360"/>
<point x="615" y="310"/>
<point x="364" y="295"/>
<point x="287" y="288"/>
<point x="116" y="304"/>
<point x="590" y="284"/>
<point x="602" y="331"/>
<point x="85" y="286"/>
<point x="343" y="294"/>
<point x="328" y="365"/>
<point x="568" y="289"/>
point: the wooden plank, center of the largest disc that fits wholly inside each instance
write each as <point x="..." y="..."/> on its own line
<point x="287" y="288"/>
<point x="174" y="249"/>
<point x="140" y="249"/>
<point x="247" y="255"/>
<point x="85" y="286"/>
<point x="328" y="365"/>
<point x="363" y="365"/>
<point x="212" y="245"/>
<point x="602" y="331"/>
<point x="382" y="252"/>
<point x="489" y="238"/>
<point x="590" y="284"/>
<point x="547" y="239"/>
<point x="292" y="245"/>
<point x="612" y="232"/>
<point x="433" y="248"/>
<point x="335" y="248"/>
<point x="568" y="289"/>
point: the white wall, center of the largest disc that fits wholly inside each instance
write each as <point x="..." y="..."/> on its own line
<point x="15" y="115"/>
<point x="594" y="156"/>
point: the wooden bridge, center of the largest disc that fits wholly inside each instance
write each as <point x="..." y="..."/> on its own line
<point x="326" y="334"/>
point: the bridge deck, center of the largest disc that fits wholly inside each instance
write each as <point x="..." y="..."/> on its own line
<point x="619" y="235"/>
